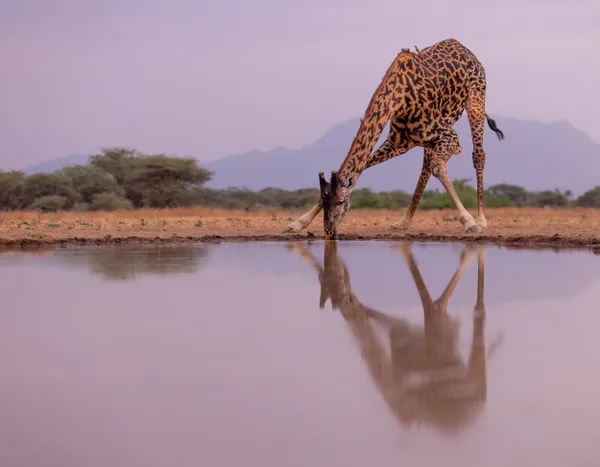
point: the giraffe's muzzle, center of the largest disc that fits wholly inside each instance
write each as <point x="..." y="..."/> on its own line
<point x="330" y="235"/>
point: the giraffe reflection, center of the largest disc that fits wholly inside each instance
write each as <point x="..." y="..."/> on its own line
<point x="425" y="380"/>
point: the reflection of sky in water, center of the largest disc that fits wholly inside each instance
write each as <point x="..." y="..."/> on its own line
<point x="232" y="362"/>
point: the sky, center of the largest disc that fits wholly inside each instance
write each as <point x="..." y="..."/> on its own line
<point x="218" y="77"/>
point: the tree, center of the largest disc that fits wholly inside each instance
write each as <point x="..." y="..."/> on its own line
<point x="50" y="184"/>
<point x="115" y="162"/>
<point x="160" y="181"/>
<point x="90" y="181"/>
<point x="12" y="190"/>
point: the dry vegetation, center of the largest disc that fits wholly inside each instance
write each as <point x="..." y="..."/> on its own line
<point x="558" y="226"/>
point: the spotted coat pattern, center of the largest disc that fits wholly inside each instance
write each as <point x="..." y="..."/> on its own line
<point x="422" y="95"/>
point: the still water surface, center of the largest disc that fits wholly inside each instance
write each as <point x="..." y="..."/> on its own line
<point x="220" y="355"/>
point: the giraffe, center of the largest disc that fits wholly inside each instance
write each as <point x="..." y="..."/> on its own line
<point x="450" y="394"/>
<point x="422" y="95"/>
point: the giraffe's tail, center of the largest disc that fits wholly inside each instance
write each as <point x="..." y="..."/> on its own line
<point x="494" y="127"/>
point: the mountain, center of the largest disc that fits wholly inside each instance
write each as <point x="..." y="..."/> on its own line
<point x="57" y="164"/>
<point x="535" y="155"/>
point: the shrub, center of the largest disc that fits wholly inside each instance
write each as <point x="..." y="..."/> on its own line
<point x="495" y="201"/>
<point x="441" y="200"/>
<point x="547" y="198"/>
<point x="50" y="203"/>
<point x="364" y="198"/>
<point x="109" y="201"/>
<point x="590" y="199"/>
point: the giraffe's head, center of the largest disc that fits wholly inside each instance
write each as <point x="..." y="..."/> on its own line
<point x="335" y="201"/>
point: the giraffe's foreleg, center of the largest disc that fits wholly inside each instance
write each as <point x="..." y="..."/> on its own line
<point x="385" y="152"/>
<point x="302" y="252"/>
<point x="405" y="221"/>
<point x="304" y="221"/>
<point x="445" y="149"/>
<point x="476" y="112"/>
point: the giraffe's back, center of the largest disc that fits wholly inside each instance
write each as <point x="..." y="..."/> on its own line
<point x="440" y="78"/>
<point x="450" y="57"/>
<point x="452" y="70"/>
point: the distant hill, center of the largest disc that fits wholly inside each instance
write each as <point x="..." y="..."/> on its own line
<point x="535" y="155"/>
<point x="57" y="164"/>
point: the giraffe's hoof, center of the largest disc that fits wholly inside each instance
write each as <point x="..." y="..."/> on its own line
<point x="293" y="228"/>
<point x="400" y="225"/>
<point x="470" y="225"/>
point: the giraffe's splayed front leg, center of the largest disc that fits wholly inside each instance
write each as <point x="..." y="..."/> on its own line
<point x="303" y="222"/>
<point x="296" y="227"/>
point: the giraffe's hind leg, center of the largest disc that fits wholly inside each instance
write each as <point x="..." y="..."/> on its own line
<point x="476" y="112"/>
<point x="445" y="149"/>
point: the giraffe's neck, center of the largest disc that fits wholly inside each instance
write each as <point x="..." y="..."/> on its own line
<point x="385" y="102"/>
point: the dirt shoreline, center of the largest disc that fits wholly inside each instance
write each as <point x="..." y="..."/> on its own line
<point x="511" y="227"/>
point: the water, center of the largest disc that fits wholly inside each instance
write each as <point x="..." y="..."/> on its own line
<point x="220" y="355"/>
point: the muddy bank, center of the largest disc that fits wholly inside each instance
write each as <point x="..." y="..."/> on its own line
<point x="527" y="227"/>
<point x="556" y="241"/>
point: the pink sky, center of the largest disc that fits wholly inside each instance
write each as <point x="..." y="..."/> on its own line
<point x="213" y="78"/>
